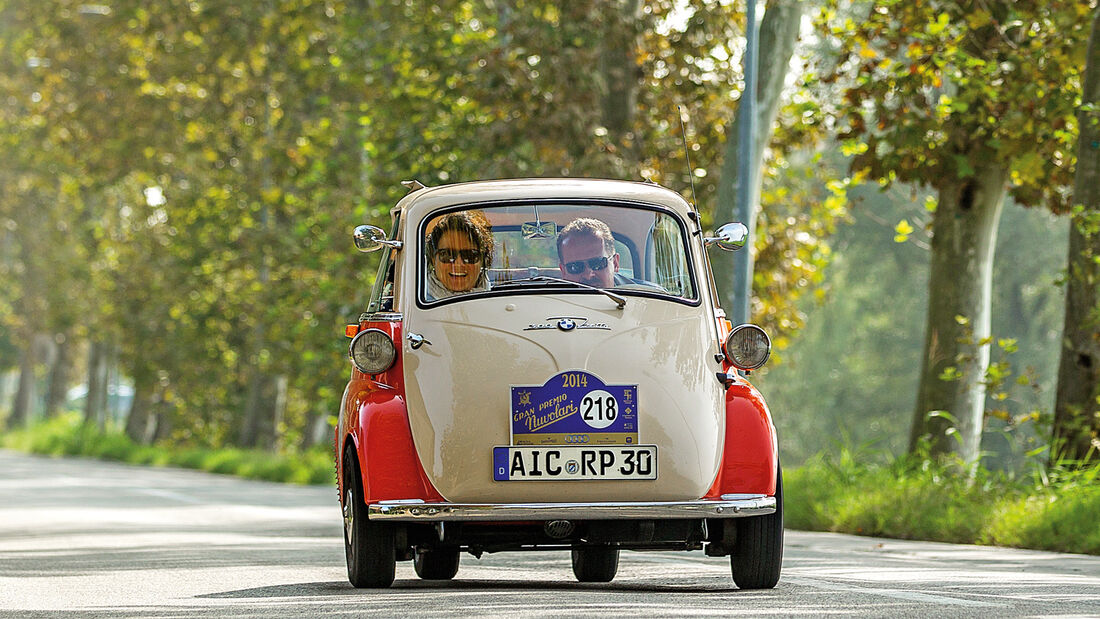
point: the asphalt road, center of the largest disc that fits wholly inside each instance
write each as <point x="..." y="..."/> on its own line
<point x="96" y="539"/>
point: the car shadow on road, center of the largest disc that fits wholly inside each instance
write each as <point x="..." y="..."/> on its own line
<point x="342" y="588"/>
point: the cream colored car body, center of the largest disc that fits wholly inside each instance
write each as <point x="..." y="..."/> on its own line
<point x="457" y="387"/>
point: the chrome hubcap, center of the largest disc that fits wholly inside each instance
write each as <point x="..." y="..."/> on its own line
<point x="349" y="515"/>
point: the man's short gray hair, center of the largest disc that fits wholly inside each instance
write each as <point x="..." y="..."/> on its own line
<point x="591" y="227"/>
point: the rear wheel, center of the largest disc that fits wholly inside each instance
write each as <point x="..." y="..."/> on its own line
<point x="595" y="563"/>
<point x="436" y="564"/>
<point x="368" y="546"/>
<point x="757" y="555"/>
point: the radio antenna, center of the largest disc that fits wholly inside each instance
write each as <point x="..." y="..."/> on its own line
<point x="687" y="157"/>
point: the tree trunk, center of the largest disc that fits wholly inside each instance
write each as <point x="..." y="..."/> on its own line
<point x="1077" y="399"/>
<point x="5" y="390"/>
<point x="253" y="411"/>
<point x="164" y="421"/>
<point x="263" y="410"/>
<point x="112" y="405"/>
<point x="32" y="307"/>
<point x="957" y="332"/>
<point x="141" y="409"/>
<point x="95" y="404"/>
<point x="60" y="369"/>
<point x="316" y="430"/>
<point x="27" y="405"/>
<point x="24" y="394"/>
<point x="778" y="36"/>
<point x="621" y="77"/>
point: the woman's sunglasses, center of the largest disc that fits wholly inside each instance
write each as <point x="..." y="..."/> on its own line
<point x="469" y="256"/>
<point x="577" y="266"/>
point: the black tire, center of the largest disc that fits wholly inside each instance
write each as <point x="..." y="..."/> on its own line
<point x="436" y="564"/>
<point x="595" y="563"/>
<point x="757" y="556"/>
<point x="368" y="546"/>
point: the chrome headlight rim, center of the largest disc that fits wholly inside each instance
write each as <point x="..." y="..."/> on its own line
<point x="383" y="362"/>
<point x="733" y="339"/>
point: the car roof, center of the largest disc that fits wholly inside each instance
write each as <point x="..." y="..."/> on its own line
<point x="420" y="202"/>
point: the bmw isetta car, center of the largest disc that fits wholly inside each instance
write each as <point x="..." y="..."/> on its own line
<point x="543" y="364"/>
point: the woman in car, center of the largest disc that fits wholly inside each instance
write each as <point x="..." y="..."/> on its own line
<point x="459" y="250"/>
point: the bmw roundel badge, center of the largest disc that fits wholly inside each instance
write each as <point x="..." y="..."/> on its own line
<point x="567" y="324"/>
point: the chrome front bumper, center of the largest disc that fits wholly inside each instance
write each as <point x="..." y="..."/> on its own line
<point x="416" y="510"/>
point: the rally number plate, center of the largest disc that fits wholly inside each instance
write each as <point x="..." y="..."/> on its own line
<point x="568" y="463"/>
<point x="574" y="407"/>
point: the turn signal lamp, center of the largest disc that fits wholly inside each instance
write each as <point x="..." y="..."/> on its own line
<point x="351" y="330"/>
<point x="372" y="351"/>
<point x="748" y="347"/>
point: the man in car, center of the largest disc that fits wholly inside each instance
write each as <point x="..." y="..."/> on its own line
<point x="586" y="254"/>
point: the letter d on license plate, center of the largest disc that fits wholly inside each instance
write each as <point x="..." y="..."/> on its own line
<point x="566" y="463"/>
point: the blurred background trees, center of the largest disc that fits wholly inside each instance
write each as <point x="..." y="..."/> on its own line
<point x="973" y="102"/>
<point x="179" y="181"/>
<point x="1077" y="406"/>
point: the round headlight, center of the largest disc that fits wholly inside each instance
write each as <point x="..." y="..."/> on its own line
<point x="748" y="347"/>
<point x="372" y="351"/>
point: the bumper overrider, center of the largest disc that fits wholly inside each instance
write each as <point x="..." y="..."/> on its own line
<point x="417" y="510"/>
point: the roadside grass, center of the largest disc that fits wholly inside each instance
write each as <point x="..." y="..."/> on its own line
<point x="67" y="435"/>
<point x="914" y="498"/>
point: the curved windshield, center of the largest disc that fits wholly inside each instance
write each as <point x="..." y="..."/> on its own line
<point x="554" y="246"/>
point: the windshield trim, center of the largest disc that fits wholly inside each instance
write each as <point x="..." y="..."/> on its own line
<point x="421" y="263"/>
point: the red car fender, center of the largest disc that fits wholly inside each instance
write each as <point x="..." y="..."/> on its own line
<point x="390" y="467"/>
<point x="750" y="454"/>
<point x="376" y="421"/>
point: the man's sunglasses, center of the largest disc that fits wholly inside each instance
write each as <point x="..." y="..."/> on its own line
<point x="577" y="266"/>
<point x="469" y="256"/>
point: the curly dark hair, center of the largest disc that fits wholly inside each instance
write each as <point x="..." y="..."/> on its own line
<point x="473" y="224"/>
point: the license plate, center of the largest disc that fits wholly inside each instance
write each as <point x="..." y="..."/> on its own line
<point x="566" y="463"/>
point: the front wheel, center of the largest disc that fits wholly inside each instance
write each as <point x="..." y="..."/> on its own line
<point x="757" y="556"/>
<point x="595" y="563"/>
<point x="368" y="546"/>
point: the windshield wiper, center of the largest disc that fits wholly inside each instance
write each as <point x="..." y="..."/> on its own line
<point x="619" y="300"/>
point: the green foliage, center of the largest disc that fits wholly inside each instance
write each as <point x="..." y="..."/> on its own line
<point x="972" y="101"/>
<point x="794" y="240"/>
<point x="915" y="498"/>
<point x="938" y="88"/>
<point x="845" y="375"/>
<point x="204" y="164"/>
<point x="67" y="435"/>
<point x="849" y="376"/>
<point x="1063" y="519"/>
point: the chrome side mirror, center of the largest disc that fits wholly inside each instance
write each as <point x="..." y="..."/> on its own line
<point x="372" y="238"/>
<point x="729" y="237"/>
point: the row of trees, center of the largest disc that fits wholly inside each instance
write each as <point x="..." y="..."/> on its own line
<point x="978" y="101"/>
<point x="851" y="374"/>
<point x="179" y="180"/>
<point x="182" y="179"/>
